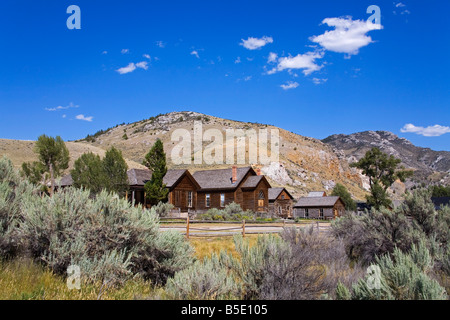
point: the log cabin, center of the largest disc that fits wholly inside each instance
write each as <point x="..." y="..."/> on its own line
<point x="280" y="202"/>
<point x="243" y="186"/>
<point x="319" y="207"/>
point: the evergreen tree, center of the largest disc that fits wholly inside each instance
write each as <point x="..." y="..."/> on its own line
<point x="115" y="170"/>
<point x="342" y="192"/>
<point x="155" y="160"/>
<point x="53" y="156"/>
<point x="33" y="171"/>
<point x="88" y="172"/>
<point x="383" y="171"/>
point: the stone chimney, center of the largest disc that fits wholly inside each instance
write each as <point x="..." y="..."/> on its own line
<point x="258" y="171"/>
<point x="234" y="174"/>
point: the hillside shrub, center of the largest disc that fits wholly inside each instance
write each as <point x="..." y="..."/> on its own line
<point x="301" y="264"/>
<point x="106" y="236"/>
<point x="14" y="191"/>
<point x="205" y="280"/>
<point x="403" y="276"/>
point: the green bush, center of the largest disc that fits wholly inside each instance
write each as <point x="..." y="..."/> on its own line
<point x="14" y="191"/>
<point x="301" y="264"/>
<point x="106" y="236"/>
<point x="403" y="276"/>
<point x="205" y="280"/>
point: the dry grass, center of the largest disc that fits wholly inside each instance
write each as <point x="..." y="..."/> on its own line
<point x="205" y="247"/>
<point x="25" y="280"/>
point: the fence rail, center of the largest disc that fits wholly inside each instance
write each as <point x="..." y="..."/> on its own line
<point x="231" y="228"/>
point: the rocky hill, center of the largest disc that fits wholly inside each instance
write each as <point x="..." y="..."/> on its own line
<point x="429" y="165"/>
<point x="305" y="164"/>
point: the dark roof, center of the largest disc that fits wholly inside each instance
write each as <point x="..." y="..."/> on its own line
<point x="316" y="202"/>
<point x="440" y="201"/>
<point x="172" y="176"/>
<point x="219" y="178"/>
<point x="317" y="194"/>
<point x="66" y="181"/>
<point x="275" y="192"/>
<point x="252" y="181"/>
<point x="138" y="177"/>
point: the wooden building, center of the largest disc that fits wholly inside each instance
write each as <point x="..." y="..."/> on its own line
<point x="182" y="190"/>
<point x="240" y="185"/>
<point x="319" y="207"/>
<point x="137" y="178"/>
<point x="280" y="202"/>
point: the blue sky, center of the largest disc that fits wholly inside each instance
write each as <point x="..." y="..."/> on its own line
<point x="311" y="67"/>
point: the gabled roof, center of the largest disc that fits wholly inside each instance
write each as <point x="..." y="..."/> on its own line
<point x="317" y="194"/>
<point x="138" y="177"/>
<point x="220" y="178"/>
<point x="252" y="181"/>
<point x="275" y="192"/>
<point x="316" y="202"/>
<point x="65" y="181"/>
<point x="173" y="176"/>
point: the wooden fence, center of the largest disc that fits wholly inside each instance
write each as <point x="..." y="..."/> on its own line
<point x="230" y="228"/>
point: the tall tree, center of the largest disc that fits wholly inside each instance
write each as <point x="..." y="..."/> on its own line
<point x="342" y="192"/>
<point x="88" y="173"/>
<point x="115" y="170"/>
<point x="155" y="160"/>
<point x="53" y="155"/>
<point x="383" y="171"/>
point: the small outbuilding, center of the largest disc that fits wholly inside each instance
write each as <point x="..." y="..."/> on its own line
<point x="281" y="202"/>
<point x="319" y="207"/>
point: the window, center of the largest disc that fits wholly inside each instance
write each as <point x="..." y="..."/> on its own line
<point x="306" y="213"/>
<point x="261" y="195"/>
<point x="282" y="197"/>
<point x="208" y="200"/>
<point x="321" y="213"/>
<point x="189" y="198"/>
<point x="222" y="199"/>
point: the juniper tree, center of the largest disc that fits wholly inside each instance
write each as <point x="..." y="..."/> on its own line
<point x="342" y="192"/>
<point x="155" y="160"/>
<point x="88" y="173"/>
<point x="115" y="169"/>
<point x="383" y="171"/>
<point x="53" y="159"/>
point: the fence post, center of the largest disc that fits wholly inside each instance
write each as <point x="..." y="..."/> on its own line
<point x="187" y="227"/>
<point x="318" y="228"/>
<point x="243" y="228"/>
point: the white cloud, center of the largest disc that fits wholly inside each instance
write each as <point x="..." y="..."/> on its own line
<point x="82" y="117"/>
<point x="319" y="81"/>
<point x="400" y="5"/>
<point x="430" y="131"/>
<point x="256" y="43"/>
<point x="129" y="68"/>
<point x="272" y="57"/>
<point x="147" y="56"/>
<point x="71" y="105"/>
<point x="238" y="60"/>
<point x="64" y="116"/>
<point x="301" y="61"/>
<point x="289" y="85"/>
<point x="195" y="53"/>
<point x="105" y="52"/>
<point x="124" y="51"/>
<point x="348" y="36"/>
<point x="248" y="78"/>
<point x="142" y="65"/>
<point x="160" y="44"/>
